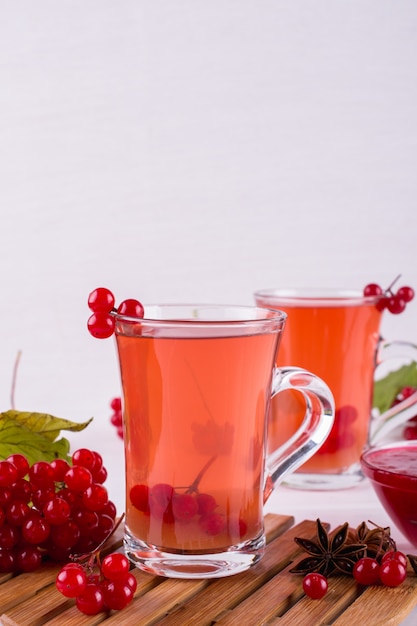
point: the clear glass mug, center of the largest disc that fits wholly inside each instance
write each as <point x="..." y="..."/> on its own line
<point x="336" y="334"/>
<point x="197" y="382"/>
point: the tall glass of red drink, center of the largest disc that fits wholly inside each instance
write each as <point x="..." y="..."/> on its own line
<point x="335" y="334"/>
<point x="197" y="384"/>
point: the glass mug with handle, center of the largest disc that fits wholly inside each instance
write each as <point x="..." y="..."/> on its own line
<point x="197" y="383"/>
<point x="336" y="334"/>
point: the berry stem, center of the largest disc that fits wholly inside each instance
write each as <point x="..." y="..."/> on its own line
<point x="389" y="288"/>
<point x="193" y="488"/>
<point x="14" y="378"/>
<point x="94" y="556"/>
<point x="384" y="536"/>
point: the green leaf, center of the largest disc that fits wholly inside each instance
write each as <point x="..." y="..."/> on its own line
<point x="48" y="425"/>
<point x="35" y="435"/>
<point x="387" y="388"/>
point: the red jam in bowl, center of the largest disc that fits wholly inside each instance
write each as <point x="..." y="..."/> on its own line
<point x="393" y="473"/>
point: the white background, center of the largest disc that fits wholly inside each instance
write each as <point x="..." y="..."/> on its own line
<point x="185" y="150"/>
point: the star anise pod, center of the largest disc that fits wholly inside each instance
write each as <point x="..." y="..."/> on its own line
<point x="330" y="552"/>
<point x="378" y="540"/>
<point x="413" y="561"/>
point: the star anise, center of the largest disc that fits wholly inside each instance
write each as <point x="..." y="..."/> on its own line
<point x="413" y="561"/>
<point x="378" y="540"/>
<point x="331" y="551"/>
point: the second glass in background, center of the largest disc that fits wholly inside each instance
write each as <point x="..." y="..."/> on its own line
<point x="335" y="334"/>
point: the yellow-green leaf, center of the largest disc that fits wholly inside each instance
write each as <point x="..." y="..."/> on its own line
<point x="48" y="425"/>
<point x="35" y="435"/>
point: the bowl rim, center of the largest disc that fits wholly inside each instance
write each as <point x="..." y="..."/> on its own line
<point x="382" y="476"/>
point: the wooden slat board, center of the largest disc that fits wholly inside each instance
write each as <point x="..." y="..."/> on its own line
<point x="266" y="595"/>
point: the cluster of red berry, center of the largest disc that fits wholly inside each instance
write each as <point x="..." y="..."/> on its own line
<point x="391" y="571"/>
<point x="116" y="418"/>
<point x="387" y="299"/>
<point x="98" y="585"/>
<point x="164" y="502"/>
<point x="52" y="509"/>
<point x="101" y="302"/>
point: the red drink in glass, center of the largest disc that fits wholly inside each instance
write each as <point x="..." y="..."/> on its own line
<point x="335" y="335"/>
<point x="183" y="425"/>
<point x="197" y="386"/>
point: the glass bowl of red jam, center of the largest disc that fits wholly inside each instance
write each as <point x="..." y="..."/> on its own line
<point x="392" y="471"/>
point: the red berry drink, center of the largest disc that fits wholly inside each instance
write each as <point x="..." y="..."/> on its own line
<point x="392" y="470"/>
<point x="336" y="337"/>
<point x="195" y="403"/>
<point x="200" y="473"/>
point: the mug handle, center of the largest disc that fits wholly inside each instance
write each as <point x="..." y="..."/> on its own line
<point x="313" y="431"/>
<point x="397" y="415"/>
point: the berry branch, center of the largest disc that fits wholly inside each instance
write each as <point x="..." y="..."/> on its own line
<point x="193" y="488"/>
<point x="14" y="379"/>
<point x="96" y="583"/>
<point x="387" y="299"/>
<point x="101" y="302"/>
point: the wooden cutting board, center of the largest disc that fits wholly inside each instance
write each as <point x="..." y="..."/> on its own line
<point x="266" y="595"/>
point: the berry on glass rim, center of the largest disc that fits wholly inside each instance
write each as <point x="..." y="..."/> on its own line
<point x="406" y="293"/>
<point x="101" y="325"/>
<point x="131" y="308"/>
<point x="394" y="302"/>
<point x="372" y="289"/>
<point x="101" y="300"/>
